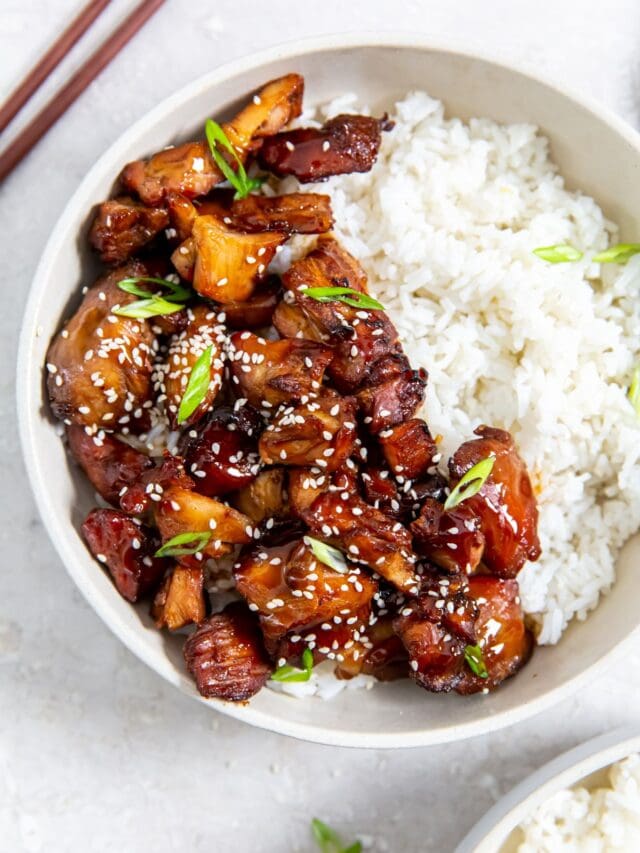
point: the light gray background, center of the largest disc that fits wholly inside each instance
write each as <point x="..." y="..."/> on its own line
<point x="96" y="752"/>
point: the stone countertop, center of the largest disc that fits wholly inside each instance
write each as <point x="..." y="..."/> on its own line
<point x="96" y="751"/>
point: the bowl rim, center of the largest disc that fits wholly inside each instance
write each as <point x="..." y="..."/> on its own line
<point x="29" y="377"/>
<point x="566" y="770"/>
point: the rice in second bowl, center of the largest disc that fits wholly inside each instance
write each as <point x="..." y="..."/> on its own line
<point x="445" y="225"/>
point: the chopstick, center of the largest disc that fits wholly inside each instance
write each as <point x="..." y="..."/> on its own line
<point x="52" y="58"/>
<point x="63" y="99"/>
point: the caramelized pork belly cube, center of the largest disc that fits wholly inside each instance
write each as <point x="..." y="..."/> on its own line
<point x="190" y="170"/>
<point x="505" y="505"/>
<point x="110" y="464"/>
<point x="221" y="452"/>
<point x="265" y="497"/>
<point x="296" y="213"/>
<point x="172" y="375"/>
<point x="500" y="632"/>
<point x="180" y="599"/>
<point x="292" y="590"/>
<point x="122" y="226"/>
<point x="391" y="393"/>
<point x="100" y="364"/>
<point x="126" y="547"/>
<point x="229" y="264"/>
<point x="344" y="144"/>
<point x="138" y="497"/>
<point x="367" y="535"/>
<point x="181" y="511"/>
<point x="257" y="311"/>
<point x="268" y="373"/>
<point x="320" y="433"/>
<point x="184" y="259"/>
<point x="226" y="657"/>
<point x="408" y="448"/>
<point x="436" y="628"/>
<point x="451" y="539"/>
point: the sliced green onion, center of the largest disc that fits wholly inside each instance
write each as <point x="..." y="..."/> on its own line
<point x="184" y="544"/>
<point x="142" y="309"/>
<point x="634" y="391"/>
<point x="197" y="386"/>
<point x="343" y="294"/>
<point x="618" y="254"/>
<point x="288" y="673"/>
<point x="471" y="482"/>
<point x="327" y="554"/>
<point x="178" y="292"/>
<point x="560" y="254"/>
<point x="239" y="179"/>
<point x="329" y="841"/>
<point x="475" y="661"/>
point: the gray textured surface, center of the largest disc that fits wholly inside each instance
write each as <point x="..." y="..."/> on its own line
<point x="95" y="751"/>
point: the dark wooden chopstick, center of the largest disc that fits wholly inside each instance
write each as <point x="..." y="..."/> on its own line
<point x="51" y="59"/>
<point x="63" y="99"/>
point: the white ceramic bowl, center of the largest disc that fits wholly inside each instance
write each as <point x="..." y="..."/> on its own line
<point x="586" y="765"/>
<point x="596" y="152"/>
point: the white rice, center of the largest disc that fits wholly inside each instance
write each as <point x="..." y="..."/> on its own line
<point x="445" y="225"/>
<point x="581" y="821"/>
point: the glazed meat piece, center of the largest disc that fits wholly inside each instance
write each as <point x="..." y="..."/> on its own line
<point x="306" y="485"/>
<point x="182" y="511"/>
<point x="257" y="311"/>
<point x="392" y="392"/>
<point x="452" y="540"/>
<point x="268" y="373"/>
<point x="184" y="259"/>
<point x="381" y="490"/>
<point x="291" y="589"/>
<point x="387" y="658"/>
<point x="100" y="364"/>
<point x="190" y="170"/>
<point x="276" y="104"/>
<point x="222" y="455"/>
<point x="328" y="265"/>
<point x="110" y="464"/>
<point x="180" y="599"/>
<point x="172" y="375"/>
<point x="291" y="322"/>
<point x="296" y="213"/>
<point x="360" y="337"/>
<point x="367" y="534"/>
<point x="265" y="497"/>
<point x="342" y="639"/>
<point x="408" y="448"/>
<point x="229" y="264"/>
<point x="122" y="226"/>
<point x="505" y="505"/>
<point x="500" y="632"/>
<point x="435" y="629"/>
<point x="226" y="656"/>
<point x="344" y="144"/>
<point x="126" y="547"/>
<point x="140" y="496"/>
<point x="320" y="432"/>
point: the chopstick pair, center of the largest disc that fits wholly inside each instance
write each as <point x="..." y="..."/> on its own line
<point x="79" y="81"/>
